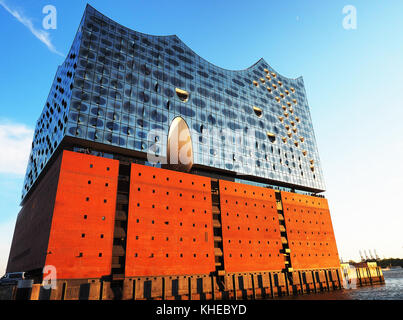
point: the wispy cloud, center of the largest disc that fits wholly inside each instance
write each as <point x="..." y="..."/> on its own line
<point x="42" y="35"/>
<point x="15" y="145"/>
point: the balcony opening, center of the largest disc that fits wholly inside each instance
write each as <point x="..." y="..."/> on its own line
<point x="271" y="137"/>
<point x="258" y="111"/>
<point x="183" y="95"/>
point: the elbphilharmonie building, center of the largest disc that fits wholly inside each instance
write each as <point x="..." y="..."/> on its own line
<point x="157" y="174"/>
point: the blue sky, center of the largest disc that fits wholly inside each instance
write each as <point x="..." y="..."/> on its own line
<point x="353" y="81"/>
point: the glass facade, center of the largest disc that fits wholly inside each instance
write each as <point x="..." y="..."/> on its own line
<point x="123" y="88"/>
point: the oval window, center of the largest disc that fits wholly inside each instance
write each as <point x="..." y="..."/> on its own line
<point x="179" y="148"/>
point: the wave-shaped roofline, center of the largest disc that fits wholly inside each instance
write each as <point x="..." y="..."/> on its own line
<point x="261" y="60"/>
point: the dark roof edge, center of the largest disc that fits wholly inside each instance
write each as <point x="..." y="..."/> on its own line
<point x="261" y="60"/>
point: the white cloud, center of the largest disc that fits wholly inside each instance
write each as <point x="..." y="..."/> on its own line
<point x="6" y="236"/>
<point x="42" y="35"/>
<point x="15" y="145"/>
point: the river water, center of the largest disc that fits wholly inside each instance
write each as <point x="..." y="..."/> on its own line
<point x="391" y="290"/>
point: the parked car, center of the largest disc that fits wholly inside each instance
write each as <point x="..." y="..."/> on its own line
<point x="12" y="278"/>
